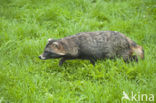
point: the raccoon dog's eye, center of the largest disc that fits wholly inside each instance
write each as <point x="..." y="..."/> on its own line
<point x="55" y="45"/>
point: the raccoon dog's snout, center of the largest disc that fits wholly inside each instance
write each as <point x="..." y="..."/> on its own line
<point x="42" y="57"/>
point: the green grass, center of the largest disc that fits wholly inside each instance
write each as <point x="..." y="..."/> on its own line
<point x="26" y="25"/>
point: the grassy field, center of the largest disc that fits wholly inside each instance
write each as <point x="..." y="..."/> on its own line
<point x="26" y="25"/>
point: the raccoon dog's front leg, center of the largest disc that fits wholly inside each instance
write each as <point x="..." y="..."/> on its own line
<point x="92" y="61"/>
<point x="61" y="61"/>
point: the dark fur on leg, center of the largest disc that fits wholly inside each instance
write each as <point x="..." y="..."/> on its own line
<point x="92" y="61"/>
<point x="62" y="61"/>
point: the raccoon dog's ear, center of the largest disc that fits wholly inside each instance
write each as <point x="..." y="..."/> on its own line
<point x="50" y="39"/>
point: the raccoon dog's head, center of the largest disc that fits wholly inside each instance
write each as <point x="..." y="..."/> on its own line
<point x="53" y="49"/>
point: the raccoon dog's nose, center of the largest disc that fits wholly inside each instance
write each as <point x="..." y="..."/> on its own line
<point x="39" y="57"/>
<point x="42" y="57"/>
